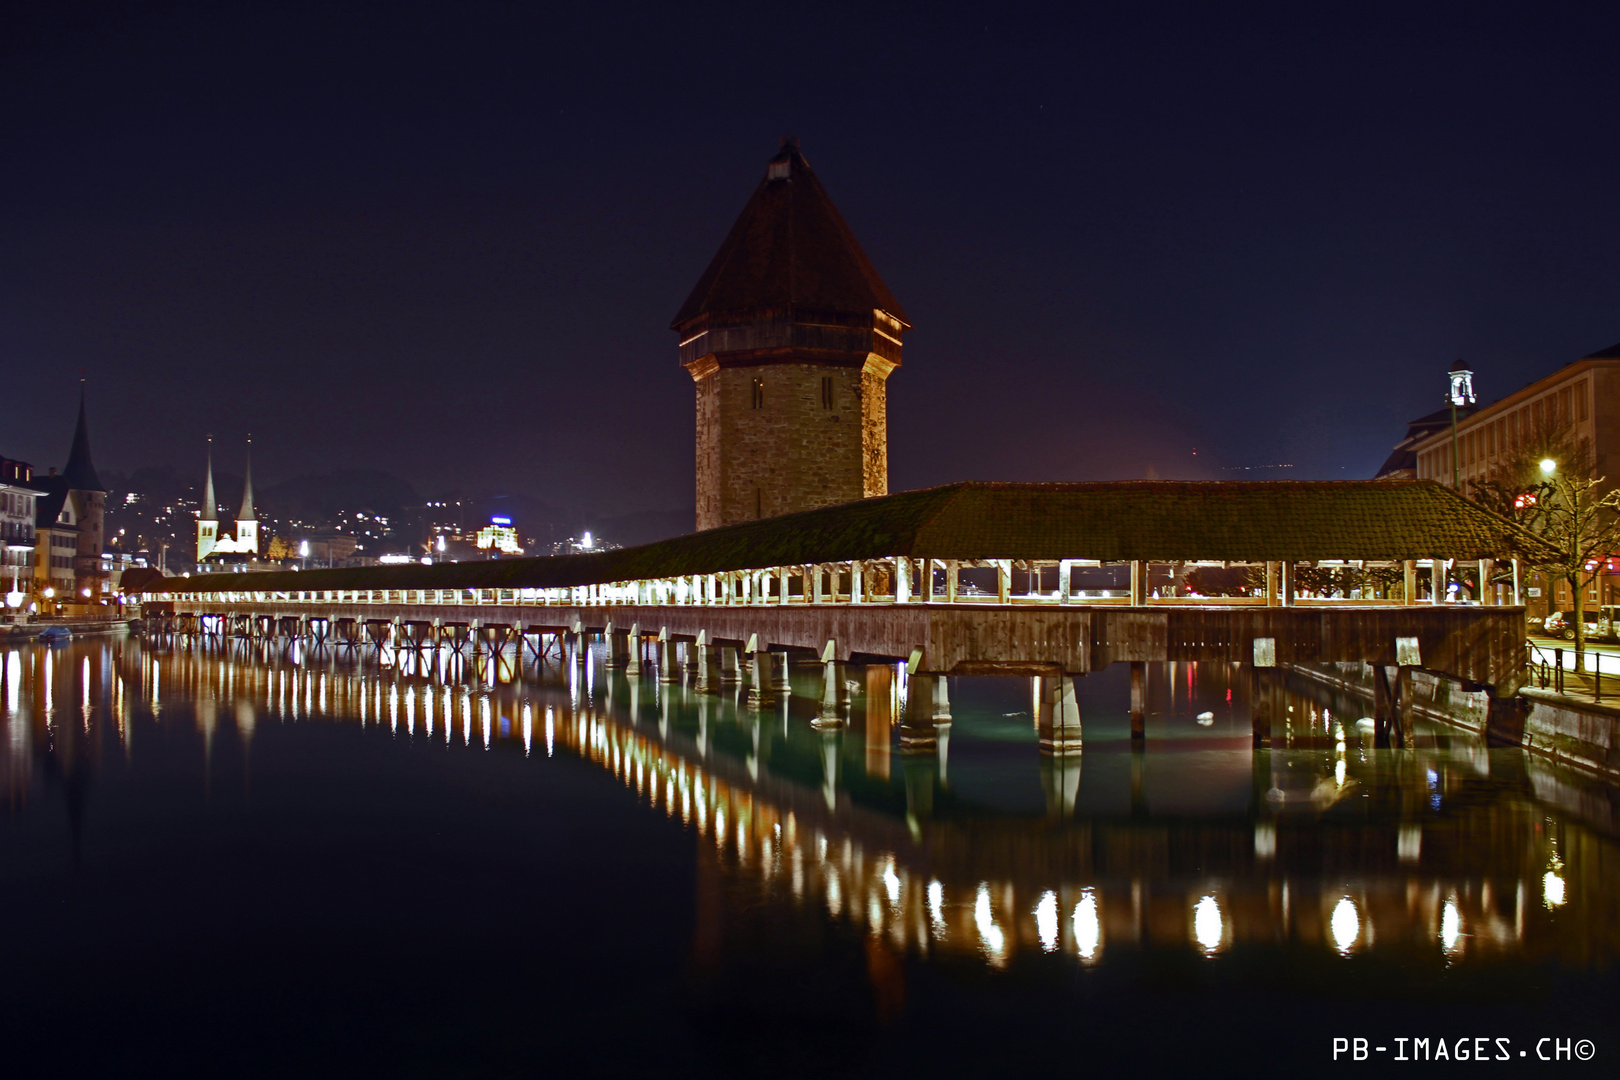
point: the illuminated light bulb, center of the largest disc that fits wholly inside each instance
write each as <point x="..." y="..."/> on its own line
<point x="1046" y="921"/>
<point x="1549" y="466"/>
<point x="1087" y="926"/>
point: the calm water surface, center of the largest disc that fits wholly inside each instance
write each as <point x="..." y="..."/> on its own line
<point x="243" y="861"/>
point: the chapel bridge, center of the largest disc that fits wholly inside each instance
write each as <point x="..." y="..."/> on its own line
<point x="1048" y="580"/>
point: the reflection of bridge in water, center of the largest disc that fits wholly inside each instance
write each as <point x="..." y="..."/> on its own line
<point x="1205" y="572"/>
<point x="1437" y="852"/>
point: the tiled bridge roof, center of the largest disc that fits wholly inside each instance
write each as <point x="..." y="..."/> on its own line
<point x="1148" y="520"/>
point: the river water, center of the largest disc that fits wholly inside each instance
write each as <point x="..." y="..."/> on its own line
<point x="244" y="860"/>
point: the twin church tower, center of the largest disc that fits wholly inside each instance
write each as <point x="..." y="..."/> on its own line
<point x="790" y="336"/>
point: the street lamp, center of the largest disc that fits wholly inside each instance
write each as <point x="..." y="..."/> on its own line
<point x="1548" y="466"/>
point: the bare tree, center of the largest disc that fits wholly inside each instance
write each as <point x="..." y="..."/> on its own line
<point x="1545" y="483"/>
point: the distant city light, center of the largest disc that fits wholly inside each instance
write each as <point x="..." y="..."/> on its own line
<point x="438" y="543"/>
<point x="500" y="521"/>
<point x="586" y="542"/>
<point x="303" y="549"/>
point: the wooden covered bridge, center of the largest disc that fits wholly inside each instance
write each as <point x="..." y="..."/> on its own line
<point x="1051" y="580"/>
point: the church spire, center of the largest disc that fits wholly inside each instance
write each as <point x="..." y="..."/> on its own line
<point x="246" y="513"/>
<point x="210" y="511"/>
<point x="80" y="473"/>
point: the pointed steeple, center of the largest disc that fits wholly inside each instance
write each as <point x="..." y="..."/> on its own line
<point x="210" y="510"/>
<point x="246" y="513"/>
<point x="79" y="472"/>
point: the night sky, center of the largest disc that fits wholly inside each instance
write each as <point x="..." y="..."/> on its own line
<point x="446" y="240"/>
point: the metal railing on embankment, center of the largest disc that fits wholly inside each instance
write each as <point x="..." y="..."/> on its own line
<point x="1553" y="668"/>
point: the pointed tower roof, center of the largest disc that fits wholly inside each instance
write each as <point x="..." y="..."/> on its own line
<point x="790" y="249"/>
<point x="1611" y="353"/>
<point x="246" y="513"/>
<point x="210" y="510"/>
<point x="80" y="473"/>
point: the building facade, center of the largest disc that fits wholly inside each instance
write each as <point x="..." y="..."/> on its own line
<point x="790" y="337"/>
<point x="1579" y="402"/>
<point x="17" y="525"/>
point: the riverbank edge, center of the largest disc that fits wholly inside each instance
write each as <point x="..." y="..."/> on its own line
<point x="1577" y="734"/>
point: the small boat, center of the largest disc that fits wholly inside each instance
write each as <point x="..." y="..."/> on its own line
<point x="56" y="635"/>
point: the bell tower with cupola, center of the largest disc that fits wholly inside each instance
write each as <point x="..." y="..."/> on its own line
<point x="790" y="337"/>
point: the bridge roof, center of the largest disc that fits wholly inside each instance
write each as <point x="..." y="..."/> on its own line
<point x="1150" y="520"/>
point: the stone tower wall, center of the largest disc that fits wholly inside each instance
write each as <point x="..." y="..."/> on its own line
<point x="792" y="451"/>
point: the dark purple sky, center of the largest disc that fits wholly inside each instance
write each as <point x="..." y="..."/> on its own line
<point x="446" y="240"/>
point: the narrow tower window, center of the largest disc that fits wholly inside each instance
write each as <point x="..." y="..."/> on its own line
<point x="759" y="393"/>
<point x="826" y="392"/>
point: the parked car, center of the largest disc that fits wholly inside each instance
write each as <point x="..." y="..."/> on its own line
<point x="1601" y="625"/>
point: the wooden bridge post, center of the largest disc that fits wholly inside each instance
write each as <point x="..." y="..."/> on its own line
<point x="632" y="667"/>
<point x="730" y="666"/>
<point x="615" y="653"/>
<point x="942" y="700"/>
<point x="1285" y="595"/>
<point x="1003" y="581"/>
<point x="1138" y="702"/>
<point x="832" y="689"/>
<point x="1259" y="708"/>
<point x="917" y="734"/>
<point x="704" y="682"/>
<point x="1437" y="581"/>
<point x="1060" y="780"/>
<point x="667" y="671"/>
<point x="1059" y="720"/>
<point x="780" y="683"/>
<point x="759" y="690"/>
<point x="1487" y="591"/>
<point x="1409" y="582"/>
<point x="879" y="718"/>
<point x="1139" y="578"/>
<point x="952" y="580"/>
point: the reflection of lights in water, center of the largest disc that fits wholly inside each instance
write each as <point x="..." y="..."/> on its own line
<point x="1087" y="926"/>
<point x="551" y="729"/>
<point x="874" y="914"/>
<point x="1046" y="920"/>
<point x="528" y="727"/>
<point x="483" y="719"/>
<point x="720" y="828"/>
<point x="1345" y="925"/>
<point x="990" y="935"/>
<point x="936" y="906"/>
<point x="835" y="892"/>
<point x="1208" y="927"/>
<point x="1451" y="926"/>
<point x="1552" y="888"/>
<point x="891" y="881"/>
<point x="1338" y="773"/>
